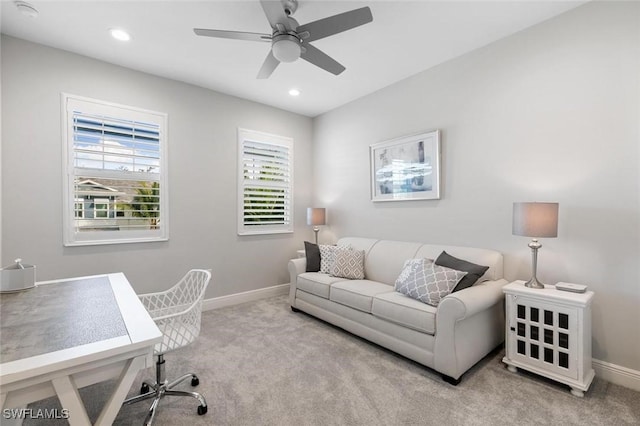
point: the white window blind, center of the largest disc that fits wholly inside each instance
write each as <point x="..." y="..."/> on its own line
<point x="265" y="183"/>
<point x="115" y="173"/>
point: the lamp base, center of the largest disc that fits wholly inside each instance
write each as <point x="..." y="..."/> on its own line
<point x="534" y="283"/>
<point x="534" y="245"/>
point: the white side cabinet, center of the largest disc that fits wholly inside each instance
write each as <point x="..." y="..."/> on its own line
<point x="548" y="332"/>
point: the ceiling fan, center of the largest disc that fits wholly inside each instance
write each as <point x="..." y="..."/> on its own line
<point x="290" y="40"/>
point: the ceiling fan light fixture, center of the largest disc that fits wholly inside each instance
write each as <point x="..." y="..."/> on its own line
<point x="286" y="48"/>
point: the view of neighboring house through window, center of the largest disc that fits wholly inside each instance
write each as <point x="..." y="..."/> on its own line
<point x="265" y="193"/>
<point x="115" y="176"/>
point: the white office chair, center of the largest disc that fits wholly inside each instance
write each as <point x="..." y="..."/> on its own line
<point x="177" y="313"/>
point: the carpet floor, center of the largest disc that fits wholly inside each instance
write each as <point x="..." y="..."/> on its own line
<point x="261" y="364"/>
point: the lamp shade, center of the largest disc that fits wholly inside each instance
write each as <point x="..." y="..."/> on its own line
<point x="315" y="216"/>
<point x="539" y="220"/>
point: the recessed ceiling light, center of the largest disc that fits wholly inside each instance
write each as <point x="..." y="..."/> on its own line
<point x="26" y="9"/>
<point x="294" y="92"/>
<point x="119" y="34"/>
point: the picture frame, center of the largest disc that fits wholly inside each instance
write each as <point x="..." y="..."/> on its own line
<point x="406" y="168"/>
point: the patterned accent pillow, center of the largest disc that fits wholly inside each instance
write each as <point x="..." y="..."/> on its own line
<point x="327" y="255"/>
<point x="348" y="263"/>
<point x="427" y="282"/>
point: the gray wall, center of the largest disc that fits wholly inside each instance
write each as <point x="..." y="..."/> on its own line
<point x="202" y="175"/>
<point x="549" y="114"/>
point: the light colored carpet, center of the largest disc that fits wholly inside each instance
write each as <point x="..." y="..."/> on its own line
<point x="261" y="364"/>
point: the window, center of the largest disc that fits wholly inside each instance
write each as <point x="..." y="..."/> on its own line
<point x="79" y="208"/>
<point x="265" y="167"/>
<point x="101" y="208"/>
<point x="115" y="173"/>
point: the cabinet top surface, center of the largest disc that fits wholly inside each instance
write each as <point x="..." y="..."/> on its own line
<point x="549" y="292"/>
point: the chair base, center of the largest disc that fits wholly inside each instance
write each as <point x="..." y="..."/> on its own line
<point x="162" y="388"/>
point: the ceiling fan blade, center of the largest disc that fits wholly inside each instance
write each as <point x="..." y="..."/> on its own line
<point x="269" y="65"/>
<point x="275" y="14"/>
<point x="320" y="59"/>
<point x="236" y="35"/>
<point x="335" y="24"/>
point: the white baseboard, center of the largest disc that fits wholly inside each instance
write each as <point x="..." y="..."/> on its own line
<point x="247" y="296"/>
<point x="617" y="374"/>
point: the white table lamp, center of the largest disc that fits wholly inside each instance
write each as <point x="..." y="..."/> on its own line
<point x="537" y="220"/>
<point x="316" y="217"/>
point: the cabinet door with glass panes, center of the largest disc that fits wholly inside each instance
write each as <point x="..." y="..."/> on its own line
<point x="540" y="335"/>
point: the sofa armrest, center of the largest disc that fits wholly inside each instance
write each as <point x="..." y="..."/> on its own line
<point x="296" y="267"/>
<point x="469" y="324"/>
<point x="468" y="302"/>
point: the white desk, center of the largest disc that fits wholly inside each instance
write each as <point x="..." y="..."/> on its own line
<point x="63" y="335"/>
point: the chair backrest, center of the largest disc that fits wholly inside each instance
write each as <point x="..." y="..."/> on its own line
<point x="177" y="312"/>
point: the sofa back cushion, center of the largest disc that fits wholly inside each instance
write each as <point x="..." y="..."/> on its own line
<point x="384" y="259"/>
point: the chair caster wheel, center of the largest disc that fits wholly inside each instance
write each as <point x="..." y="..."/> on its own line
<point x="195" y="382"/>
<point x="144" y="389"/>
<point x="202" y="410"/>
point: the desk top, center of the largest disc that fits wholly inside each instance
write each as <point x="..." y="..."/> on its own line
<point x="70" y="322"/>
<point x="58" y="316"/>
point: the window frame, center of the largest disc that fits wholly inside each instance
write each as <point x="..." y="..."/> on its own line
<point x="72" y="237"/>
<point x="265" y="139"/>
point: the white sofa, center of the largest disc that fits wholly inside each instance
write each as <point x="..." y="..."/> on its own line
<point x="449" y="338"/>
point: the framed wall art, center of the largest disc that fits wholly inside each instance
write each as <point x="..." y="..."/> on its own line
<point x="406" y="168"/>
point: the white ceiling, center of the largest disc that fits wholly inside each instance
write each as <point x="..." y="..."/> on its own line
<point x="405" y="37"/>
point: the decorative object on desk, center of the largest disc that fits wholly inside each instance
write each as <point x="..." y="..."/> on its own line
<point x="17" y="277"/>
<point x="177" y="313"/>
<point x="537" y="220"/>
<point x="407" y="168"/>
<point x="316" y="217"/>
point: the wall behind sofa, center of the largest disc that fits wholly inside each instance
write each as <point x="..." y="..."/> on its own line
<point x="202" y="174"/>
<point x="549" y="114"/>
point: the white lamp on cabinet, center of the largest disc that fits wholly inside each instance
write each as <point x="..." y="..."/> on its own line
<point x="537" y="220"/>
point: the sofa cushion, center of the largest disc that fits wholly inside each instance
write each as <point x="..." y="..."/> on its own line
<point x="312" y="253"/>
<point x="348" y="263"/>
<point x="357" y="294"/>
<point x="474" y="272"/>
<point x="386" y="259"/>
<point x="427" y="282"/>
<point x="405" y="311"/>
<point x="316" y="283"/>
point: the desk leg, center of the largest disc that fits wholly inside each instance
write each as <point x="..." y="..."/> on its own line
<point x="70" y="399"/>
<point x="113" y="405"/>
